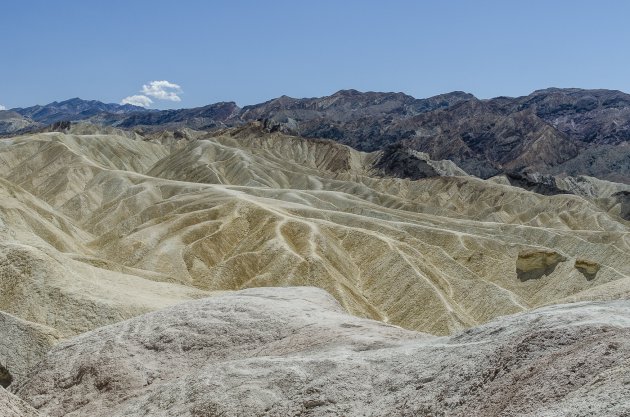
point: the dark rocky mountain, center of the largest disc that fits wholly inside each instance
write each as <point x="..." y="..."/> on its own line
<point x="559" y="131"/>
<point x="593" y="116"/>
<point x="483" y="140"/>
<point x="553" y="131"/>
<point x="74" y="109"/>
<point x="348" y="116"/>
<point x="347" y="105"/>
<point x="208" y="117"/>
<point x="610" y="162"/>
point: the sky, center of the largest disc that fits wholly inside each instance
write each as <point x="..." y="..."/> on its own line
<point x="167" y="54"/>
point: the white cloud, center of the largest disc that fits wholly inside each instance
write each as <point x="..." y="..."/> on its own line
<point x="138" y="100"/>
<point x="2" y="107"/>
<point x="158" y="90"/>
<point x="162" y="90"/>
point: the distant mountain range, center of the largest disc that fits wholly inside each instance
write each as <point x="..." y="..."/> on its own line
<point x="74" y="109"/>
<point x="552" y="131"/>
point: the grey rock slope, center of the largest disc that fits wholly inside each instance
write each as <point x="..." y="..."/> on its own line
<point x="11" y="121"/>
<point x="483" y="139"/>
<point x="585" y="186"/>
<point x="594" y="116"/>
<point x="293" y="351"/>
<point x="12" y="406"/>
<point x="22" y="345"/>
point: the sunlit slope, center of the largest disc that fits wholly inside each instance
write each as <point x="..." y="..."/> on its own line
<point x="244" y="208"/>
<point x="48" y="273"/>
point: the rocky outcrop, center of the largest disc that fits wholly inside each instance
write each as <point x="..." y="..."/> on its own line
<point x="587" y="267"/>
<point x="535" y="264"/>
<point x="541" y="184"/>
<point x="398" y="161"/>
<point x="623" y="200"/>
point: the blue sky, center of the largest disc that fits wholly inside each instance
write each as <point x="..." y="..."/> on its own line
<point x="251" y="51"/>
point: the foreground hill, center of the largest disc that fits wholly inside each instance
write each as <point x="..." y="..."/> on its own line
<point x="293" y="351"/>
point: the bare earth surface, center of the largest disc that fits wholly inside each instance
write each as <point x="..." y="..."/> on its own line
<point x="98" y="227"/>
<point x="293" y="351"/>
